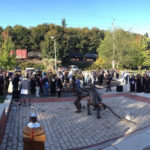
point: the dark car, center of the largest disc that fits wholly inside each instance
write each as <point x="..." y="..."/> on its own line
<point x="17" y="69"/>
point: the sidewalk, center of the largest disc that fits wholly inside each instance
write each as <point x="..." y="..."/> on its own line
<point x="140" y="140"/>
<point x="67" y="130"/>
<point x="136" y="141"/>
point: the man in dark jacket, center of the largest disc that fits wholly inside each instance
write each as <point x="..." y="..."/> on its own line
<point x="132" y="84"/>
<point x="59" y="87"/>
<point x="15" y="82"/>
<point x="108" y="81"/>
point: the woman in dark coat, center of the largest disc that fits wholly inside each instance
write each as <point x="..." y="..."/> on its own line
<point x="138" y="84"/>
<point x="32" y="84"/>
<point x="59" y="87"/>
<point x="147" y="85"/>
<point x="53" y="86"/>
<point x="108" y="82"/>
<point x="132" y="84"/>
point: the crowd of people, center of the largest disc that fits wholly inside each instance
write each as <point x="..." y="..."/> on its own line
<point x="52" y="83"/>
<point x="138" y="83"/>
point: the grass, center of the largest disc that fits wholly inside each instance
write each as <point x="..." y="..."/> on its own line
<point x="2" y="98"/>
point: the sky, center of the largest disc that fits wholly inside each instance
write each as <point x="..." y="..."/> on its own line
<point x="132" y="15"/>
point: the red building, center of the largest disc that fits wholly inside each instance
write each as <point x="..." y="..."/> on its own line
<point x="20" y="53"/>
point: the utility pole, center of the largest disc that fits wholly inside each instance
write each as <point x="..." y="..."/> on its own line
<point x="55" y="54"/>
<point x="52" y="37"/>
<point x="113" y="61"/>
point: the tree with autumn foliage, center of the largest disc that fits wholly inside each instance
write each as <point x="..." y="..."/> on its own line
<point x="101" y="63"/>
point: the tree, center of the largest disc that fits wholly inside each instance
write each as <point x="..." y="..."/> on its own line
<point x="47" y="46"/>
<point x="124" y="48"/>
<point x="146" y="35"/>
<point x="101" y="63"/>
<point x="1" y="36"/>
<point x="21" y="37"/>
<point x="37" y="36"/>
<point x="7" y="61"/>
<point x="64" y="23"/>
<point x="146" y="62"/>
<point x="141" y="46"/>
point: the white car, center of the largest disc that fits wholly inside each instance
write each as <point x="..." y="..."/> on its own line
<point x="73" y="68"/>
<point x="29" y="71"/>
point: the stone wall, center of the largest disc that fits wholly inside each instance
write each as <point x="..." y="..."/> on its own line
<point x="4" y="113"/>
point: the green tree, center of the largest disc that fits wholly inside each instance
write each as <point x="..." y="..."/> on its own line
<point x="37" y="36"/>
<point x="1" y="36"/>
<point x="7" y="61"/>
<point x="141" y="46"/>
<point x="47" y="46"/>
<point x="146" y="35"/>
<point x="21" y="37"/>
<point x="123" y="48"/>
<point x="146" y="62"/>
<point x="64" y="23"/>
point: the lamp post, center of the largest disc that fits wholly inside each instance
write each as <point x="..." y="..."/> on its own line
<point x="52" y="37"/>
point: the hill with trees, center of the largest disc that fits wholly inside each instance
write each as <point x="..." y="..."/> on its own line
<point x="121" y="48"/>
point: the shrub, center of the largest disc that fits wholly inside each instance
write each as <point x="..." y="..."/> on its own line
<point x="2" y="99"/>
<point x="24" y="65"/>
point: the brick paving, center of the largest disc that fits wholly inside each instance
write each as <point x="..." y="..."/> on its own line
<point x="67" y="130"/>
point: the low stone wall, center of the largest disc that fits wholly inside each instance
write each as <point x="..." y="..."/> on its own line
<point x="4" y="113"/>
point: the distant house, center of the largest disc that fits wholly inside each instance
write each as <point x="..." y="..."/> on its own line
<point x="33" y="55"/>
<point x="90" y="57"/>
<point x="76" y="57"/>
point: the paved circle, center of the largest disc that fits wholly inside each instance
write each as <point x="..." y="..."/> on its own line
<point x="147" y="148"/>
<point x="66" y="129"/>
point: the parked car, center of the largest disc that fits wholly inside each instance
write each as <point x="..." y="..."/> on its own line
<point x="17" y="69"/>
<point x="29" y="71"/>
<point x="73" y="68"/>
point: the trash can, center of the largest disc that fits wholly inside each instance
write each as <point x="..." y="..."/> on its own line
<point x="33" y="138"/>
<point x="119" y="88"/>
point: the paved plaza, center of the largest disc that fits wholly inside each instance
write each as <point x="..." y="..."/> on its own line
<point x="66" y="129"/>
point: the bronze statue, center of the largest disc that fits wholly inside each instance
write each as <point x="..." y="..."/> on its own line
<point x="79" y="95"/>
<point x="94" y="99"/>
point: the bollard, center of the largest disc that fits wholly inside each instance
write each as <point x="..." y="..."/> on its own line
<point x="34" y="135"/>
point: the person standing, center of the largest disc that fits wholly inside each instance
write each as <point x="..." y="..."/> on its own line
<point x="15" y="83"/>
<point x="138" y="83"/>
<point x="37" y="81"/>
<point x="53" y="86"/>
<point x="32" y="84"/>
<point x="46" y="84"/>
<point x="59" y="87"/>
<point x="108" y="81"/>
<point x="1" y="84"/>
<point x="132" y="84"/>
<point x="78" y="83"/>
